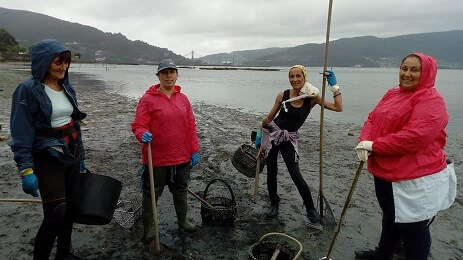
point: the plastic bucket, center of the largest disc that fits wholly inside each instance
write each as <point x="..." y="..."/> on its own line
<point x="98" y="199"/>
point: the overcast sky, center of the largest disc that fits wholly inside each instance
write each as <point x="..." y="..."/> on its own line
<point x="216" y="26"/>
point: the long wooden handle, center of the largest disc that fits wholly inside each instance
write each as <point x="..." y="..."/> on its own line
<point x="21" y="200"/>
<point x="153" y="201"/>
<point x="322" y="104"/>
<point x="200" y="199"/>
<point x="344" y="209"/>
<point x="256" y="181"/>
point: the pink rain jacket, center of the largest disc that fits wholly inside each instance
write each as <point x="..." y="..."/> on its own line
<point x="172" y="123"/>
<point x="408" y="130"/>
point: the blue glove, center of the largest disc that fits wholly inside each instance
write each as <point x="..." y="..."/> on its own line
<point x="82" y="166"/>
<point x="194" y="159"/>
<point x="258" y="138"/>
<point x="331" y="78"/>
<point x="146" y="137"/>
<point x="30" y="184"/>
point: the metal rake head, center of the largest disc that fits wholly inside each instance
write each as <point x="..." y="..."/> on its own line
<point x="127" y="212"/>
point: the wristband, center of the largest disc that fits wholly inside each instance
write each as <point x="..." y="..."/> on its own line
<point x="27" y="172"/>
<point x="337" y="95"/>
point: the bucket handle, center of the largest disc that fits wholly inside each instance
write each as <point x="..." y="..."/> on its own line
<point x="284" y="235"/>
<point x="226" y="184"/>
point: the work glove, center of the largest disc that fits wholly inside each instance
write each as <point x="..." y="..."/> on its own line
<point x="194" y="159"/>
<point x="309" y="90"/>
<point x="82" y="167"/>
<point x="146" y="137"/>
<point x="364" y="149"/>
<point x="258" y="139"/>
<point x="30" y="183"/>
<point x="331" y="78"/>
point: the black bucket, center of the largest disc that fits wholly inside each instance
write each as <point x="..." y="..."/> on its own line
<point x="98" y="199"/>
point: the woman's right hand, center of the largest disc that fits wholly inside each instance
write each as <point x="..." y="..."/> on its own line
<point x="146" y="137"/>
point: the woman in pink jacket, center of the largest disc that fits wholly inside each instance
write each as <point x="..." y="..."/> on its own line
<point x="403" y="142"/>
<point x="165" y="119"/>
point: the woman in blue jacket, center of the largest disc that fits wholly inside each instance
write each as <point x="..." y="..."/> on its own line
<point x="47" y="144"/>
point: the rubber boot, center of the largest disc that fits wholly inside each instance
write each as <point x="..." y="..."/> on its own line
<point x="148" y="220"/>
<point x="272" y="212"/>
<point x="181" y="208"/>
<point x="374" y="254"/>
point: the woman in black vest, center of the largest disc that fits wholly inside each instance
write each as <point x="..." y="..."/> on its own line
<point x="280" y="133"/>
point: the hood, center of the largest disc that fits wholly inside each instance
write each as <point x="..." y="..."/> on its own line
<point x="428" y="71"/>
<point x="42" y="54"/>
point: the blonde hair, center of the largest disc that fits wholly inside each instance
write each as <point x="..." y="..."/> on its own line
<point x="304" y="70"/>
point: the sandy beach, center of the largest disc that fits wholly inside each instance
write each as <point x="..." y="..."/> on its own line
<point x="112" y="150"/>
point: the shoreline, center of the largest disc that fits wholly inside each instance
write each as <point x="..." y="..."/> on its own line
<point x="112" y="150"/>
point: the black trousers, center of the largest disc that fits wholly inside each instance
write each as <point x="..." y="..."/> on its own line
<point x="58" y="186"/>
<point x="292" y="164"/>
<point x="416" y="236"/>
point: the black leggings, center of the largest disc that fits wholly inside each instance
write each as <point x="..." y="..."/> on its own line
<point x="58" y="189"/>
<point x="416" y="235"/>
<point x="292" y="164"/>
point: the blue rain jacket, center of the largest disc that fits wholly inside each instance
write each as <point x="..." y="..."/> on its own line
<point x="31" y="111"/>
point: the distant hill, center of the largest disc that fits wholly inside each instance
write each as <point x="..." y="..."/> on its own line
<point x="365" y="51"/>
<point x="29" y="28"/>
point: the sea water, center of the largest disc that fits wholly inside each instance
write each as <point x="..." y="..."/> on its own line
<point x="254" y="91"/>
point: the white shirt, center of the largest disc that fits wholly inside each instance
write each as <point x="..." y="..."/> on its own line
<point x="61" y="107"/>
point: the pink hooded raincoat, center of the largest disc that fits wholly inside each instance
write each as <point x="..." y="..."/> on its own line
<point x="408" y="129"/>
<point x="172" y="123"/>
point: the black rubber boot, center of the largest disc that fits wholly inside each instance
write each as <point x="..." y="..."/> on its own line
<point x="371" y="255"/>
<point x="272" y="212"/>
<point x="148" y="220"/>
<point x="313" y="216"/>
<point x="68" y="256"/>
<point x="181" y="208"/>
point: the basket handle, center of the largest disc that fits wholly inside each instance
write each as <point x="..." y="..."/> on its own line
<point x="248" y="155"/>
<point x="226" y="184"/>
<point x="284" y="235"/>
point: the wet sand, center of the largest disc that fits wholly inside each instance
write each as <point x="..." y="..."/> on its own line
<point x="112" y="150"/>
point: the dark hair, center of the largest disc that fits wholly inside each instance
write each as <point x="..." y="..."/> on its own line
<point x="64" y="56"/>
<point x="409" y="56"/>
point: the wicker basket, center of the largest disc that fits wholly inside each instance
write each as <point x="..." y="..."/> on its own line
<point x="245" y="160"/>
<point x="223" y="211"/>
<point x="265" y="249"/>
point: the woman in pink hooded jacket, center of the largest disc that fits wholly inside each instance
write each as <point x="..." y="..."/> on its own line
<point x="165" y="119"/>
<point x="403" y="142"/>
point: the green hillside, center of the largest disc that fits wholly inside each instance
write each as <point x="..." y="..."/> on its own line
<point x="365" y="51"/>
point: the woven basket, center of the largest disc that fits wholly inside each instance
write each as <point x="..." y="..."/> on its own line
<point x="223" y="211"/>
<point x="245" y="160"/>
<point x="265" y="249"/>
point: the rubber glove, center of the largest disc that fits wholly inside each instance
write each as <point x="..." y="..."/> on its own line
<point x="30" y="183"/>
<point x="309" y="90"/>
<point x="258" y="139"/>
<point x="364" y="149"/>
<point x="146" y="137"/>
<point x="331" y="78"/>
<point x="194" y="159"/>
<point x="82" y="166"/>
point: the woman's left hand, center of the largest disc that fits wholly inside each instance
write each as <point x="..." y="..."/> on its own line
<point x="331" y="78"/>
<point x="194" y="159"/>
